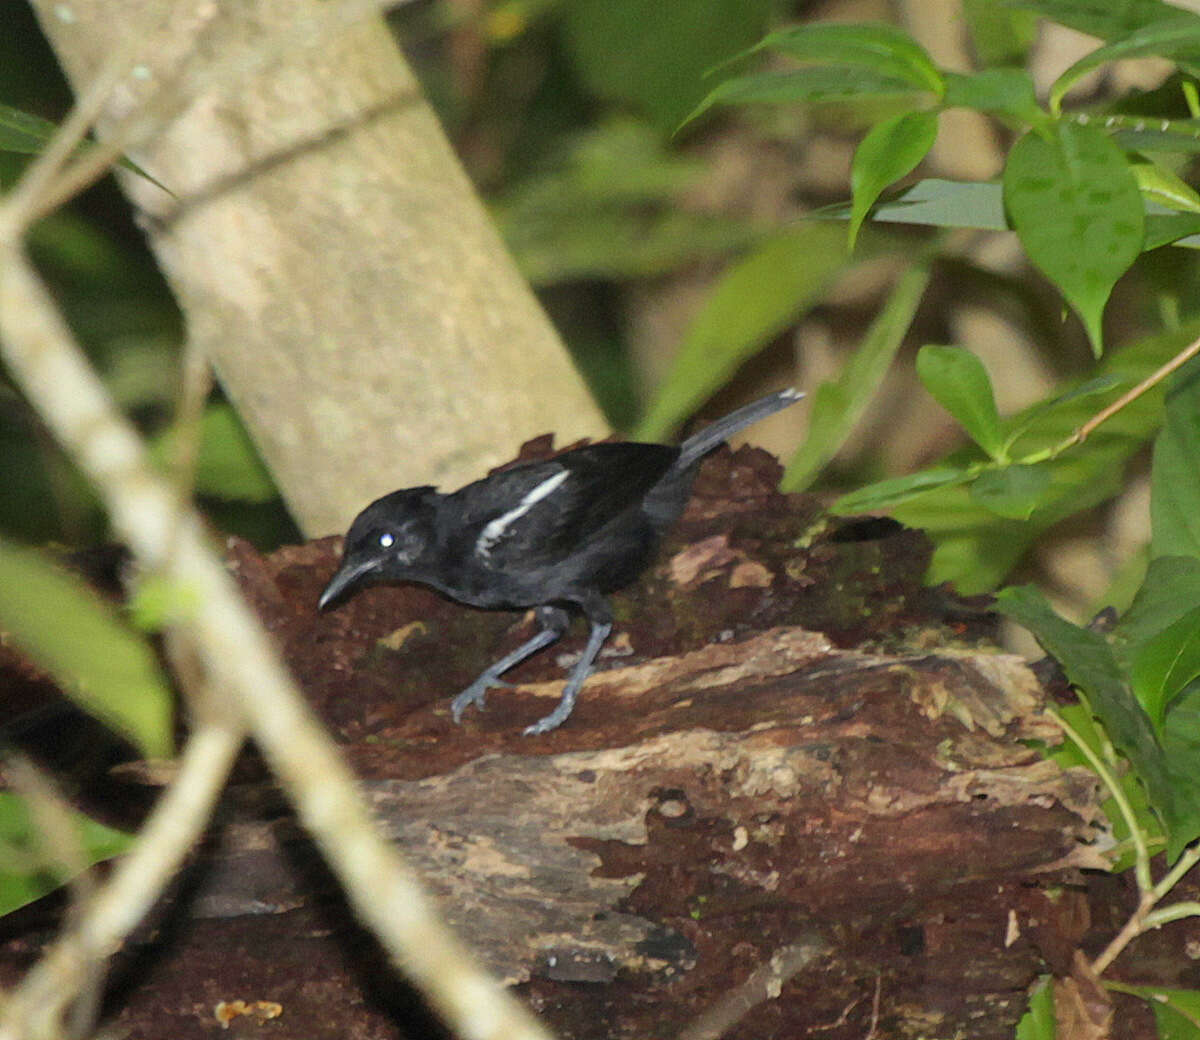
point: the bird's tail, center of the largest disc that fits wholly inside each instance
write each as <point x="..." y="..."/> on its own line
<point x="700" y="444"/>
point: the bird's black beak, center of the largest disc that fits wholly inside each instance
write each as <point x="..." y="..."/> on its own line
<point x="349" y="574"/>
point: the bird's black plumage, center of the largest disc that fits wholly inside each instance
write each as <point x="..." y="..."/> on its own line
<point x="553" y="535"/>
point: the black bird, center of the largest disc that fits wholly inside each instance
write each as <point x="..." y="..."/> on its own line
<point x="551" y="535"/>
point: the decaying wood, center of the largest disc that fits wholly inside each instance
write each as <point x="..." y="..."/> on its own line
<point x="791" y="745"/>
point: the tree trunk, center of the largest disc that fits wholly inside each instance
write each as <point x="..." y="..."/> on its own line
<point x="329" y="253"/>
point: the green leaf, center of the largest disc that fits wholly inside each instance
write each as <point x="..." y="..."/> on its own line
<point x="999" y="36"/>
<point x="973" y="547"/>
<point x="1165" y="37"/>
<point x="959" y="383"/>
<point x="1068" y="755"/>
<point x="25" y="134"/>
<point x="941" y="203"/>
<point x="1138" y="134"/>
<point x="838" y="405"/>
<point x="228" y="466"/>
<point x="1076" y="207"/>
<point x="654" y="56"/>
<point x="1181" y="744"/>
<point x="25" y="875"/>
<point x="1165" y="664"/>
<point x="102" y="664"/>
<point x="608" y="207"/>
<point x="1175" y="471"/>
<point x="1090" y="664"/>
<point x="885" y="494"/>
<point x="1159" y="185"/>
<point x="1021" y="424"/>
<point x="1003" y="91"/>
<point x="1038" y="1022"/>
<point x="1164" y="229"/>
<point x="1169" y="591"/>
<point x="1176" y="1011"/>
<point x="758" y="297"/>
<point x="813" y="85"/>
<point x="1102" y="18"/>
<point x="1013" y="492"/>
<point x="877" y="46"/>
<point x="891" y="150"/>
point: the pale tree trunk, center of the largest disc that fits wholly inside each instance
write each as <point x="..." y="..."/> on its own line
<point x="330" y="255"/>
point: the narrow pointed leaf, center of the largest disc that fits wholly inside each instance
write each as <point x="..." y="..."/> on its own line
<point x="815" y="84"/>
<point x="838" y="405"/>
<point x="873" y="45"/>
<point x="1167" y="37"/>
<point x="757" y="298"/>
<point x="1089" y="663"/>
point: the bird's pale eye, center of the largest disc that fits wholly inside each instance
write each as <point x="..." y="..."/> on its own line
<point x="387" y="540"/>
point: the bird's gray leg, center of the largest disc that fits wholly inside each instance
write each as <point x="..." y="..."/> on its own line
<point x="600" y="617"/>
<point x="554" y="623"/>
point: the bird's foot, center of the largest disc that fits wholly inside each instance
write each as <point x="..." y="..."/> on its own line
<point x="552" y="721"/>
<point x="476" y="694"/>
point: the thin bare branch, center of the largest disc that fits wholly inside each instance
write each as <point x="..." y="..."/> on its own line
<point x="241" y="661"/>
<point x="764" y="983"/>
<point x="34" y="1008"/>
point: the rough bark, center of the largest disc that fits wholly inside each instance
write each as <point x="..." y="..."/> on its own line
<point x="329" y="253"/>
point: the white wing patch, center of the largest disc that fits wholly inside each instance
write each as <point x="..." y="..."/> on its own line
<point x="494" y="530"/>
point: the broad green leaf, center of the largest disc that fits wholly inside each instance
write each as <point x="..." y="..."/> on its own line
<point x="1176" y="1011"/>
<point x="959" y="383"/>
<point x="877" y="46"/>
<point x="891" y="150"/>
<point x="1166" y="37"/>
<point x="818" y="84"/>
<point x="1076" y="207"/>
<point x="25" y="875"/>
<point x="654" y="56"/>
<point x="973" y="547"/>
<point x="758" y="297"/>
<point x="1013" y="492"/>
<point x="1175" y="471"/>
<point x="228" y="466"/>
<point x="838" y="405"/>
<point x="1103" y="18"/>
<point x="1169" y="592"/>
<point x="1003" y="91"/>
<point x="1038" y="1022"/>
<point x="25" y="134"/>
<point x="1089" y="663"/>
<point x="1165" y="664"/>
<point x="1160" y="185"/>
<point x="99" y="661"/>
<point x="885" y="494"/>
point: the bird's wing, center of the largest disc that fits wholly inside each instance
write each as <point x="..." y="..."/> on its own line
<point x="537" y="514"/>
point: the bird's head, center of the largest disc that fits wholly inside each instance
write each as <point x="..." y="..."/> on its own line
<point x="388" y="541"/>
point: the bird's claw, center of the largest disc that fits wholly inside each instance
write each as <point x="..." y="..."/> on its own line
<point x="475" y="694"/>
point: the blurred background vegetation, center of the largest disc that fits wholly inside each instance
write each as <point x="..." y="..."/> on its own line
<point x="567" y="115"/>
